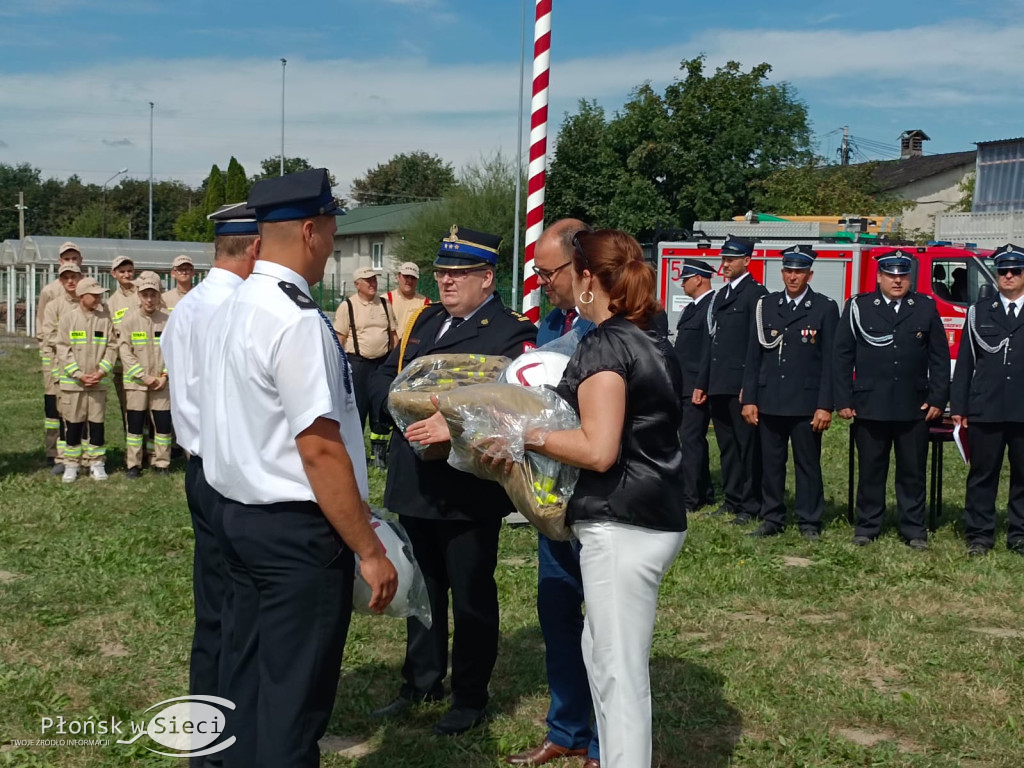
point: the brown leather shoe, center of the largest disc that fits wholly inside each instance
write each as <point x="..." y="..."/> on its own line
<point x="546" y="752"/>
<point x="592" y="763"/>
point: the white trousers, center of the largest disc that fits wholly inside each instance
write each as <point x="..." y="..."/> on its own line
<point x="622" y="567"/>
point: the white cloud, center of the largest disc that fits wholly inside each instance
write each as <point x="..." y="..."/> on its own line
<point x="351" y="115"/>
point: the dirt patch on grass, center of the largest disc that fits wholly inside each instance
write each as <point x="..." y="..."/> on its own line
<point x="6" y="577"/>
<point x="350" y="748"/>
<point x="516" y="562"/>
<point x="822" y="618"/>
<point x="997" y="631"/>
<point x="796" y="562"/>
<point x="872" y="738"/>
<point x="113" y="650"/>
<point x="750" y="617"/>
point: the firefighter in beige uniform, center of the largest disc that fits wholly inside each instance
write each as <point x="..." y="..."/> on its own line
<point x="145" y="377"/>
<point x="124" y="298"/>
<point x="182" y="270"/>
<point x="68" y="254"/>
<point x="85" y="353"/>
<point x="406" y="300"/>
<point x="67" y="280"/>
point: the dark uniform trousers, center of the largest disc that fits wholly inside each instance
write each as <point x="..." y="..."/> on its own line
<point x="721" y="377"/>
<point x="291" y="576"/>
<point x="362" y="372"/>
<point x="452" y="518"/>
<point x="886" y="383"/>
<point x="788" y="383"/>
<point x="691" y="345"/>
<point x="987" y="391"/>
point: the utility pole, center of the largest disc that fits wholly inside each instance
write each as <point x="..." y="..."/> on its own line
<point x="21" y="215"/>
<point x="150" y="173"/>
<point x="844" y="152"/>
<point x="284" y="63"/>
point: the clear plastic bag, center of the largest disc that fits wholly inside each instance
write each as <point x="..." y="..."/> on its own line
<point x="409" y="396"/>
<point x="492" y="420"/>
<point x="411" y="597"/>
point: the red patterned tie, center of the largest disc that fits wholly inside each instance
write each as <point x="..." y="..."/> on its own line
<point x="570" y="315"/>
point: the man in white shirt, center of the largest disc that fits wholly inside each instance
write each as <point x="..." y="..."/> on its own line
<point x="281" y="442"/>
<point x="236" y="247"/>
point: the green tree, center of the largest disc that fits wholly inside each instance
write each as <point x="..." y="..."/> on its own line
<point x="691" y="153"/>
<point x="90" y="220"/>
<point x="815" y="190"/>
<point x="215" y="190"/>
<point x="966" y="189"/>
<point x="236" y="186"/>
<point x="405" y="178"/>
<point x="270" y="168"/>
<point x="483" y="199"/>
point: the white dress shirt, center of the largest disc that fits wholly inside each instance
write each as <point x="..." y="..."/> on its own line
<point x="271" y="367"/>
<point x="1019" y="302"/>
<point x="182" y="345"/>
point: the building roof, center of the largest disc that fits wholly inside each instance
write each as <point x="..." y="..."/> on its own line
<point x="893" y="174"/>
<point x="999" y="141"/>
<point x="373" y="219"/>
<point x="97" y="252"/>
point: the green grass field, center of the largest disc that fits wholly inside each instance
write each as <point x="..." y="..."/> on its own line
<point x="766" y="653"/>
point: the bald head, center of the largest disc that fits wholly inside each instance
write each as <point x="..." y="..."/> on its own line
<point x="551" y="258"/>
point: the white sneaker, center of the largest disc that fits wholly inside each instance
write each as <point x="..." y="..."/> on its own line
<point x="99" y="472"/>
<point x="70" y="474"/>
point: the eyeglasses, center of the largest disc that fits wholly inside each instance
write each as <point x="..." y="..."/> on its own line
<point x="548" y="274"/>
<point x="1015" y="271"/>
<point x="579" y="249"/>
<point x="458" y="275"/>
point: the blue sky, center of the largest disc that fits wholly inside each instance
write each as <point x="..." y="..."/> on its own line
<point x="370" y="78"/>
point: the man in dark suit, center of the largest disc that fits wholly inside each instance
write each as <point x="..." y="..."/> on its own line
<point x="720" y="381"/>
<point x="452" y="517"/>
<point x="986" y="401"/>
<point x="691" y="345"/>
<point x="787" y="391"/>
<point x="891" y="373"/>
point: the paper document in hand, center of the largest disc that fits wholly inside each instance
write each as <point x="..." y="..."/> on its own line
<point x="960" y="438"/>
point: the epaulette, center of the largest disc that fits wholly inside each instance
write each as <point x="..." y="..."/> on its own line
<point x="519" y="317"/>
<point x="295" y="293"/>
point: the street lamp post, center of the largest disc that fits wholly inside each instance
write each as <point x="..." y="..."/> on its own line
<point x="150" y="172"/>
<point x="284" y="63"/>
<point x="103" y="225"/>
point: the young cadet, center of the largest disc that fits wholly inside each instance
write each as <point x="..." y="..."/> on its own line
<point x="145" y="376"/>
<point x="985" y="400"/>
<point x="787" y="391"/>
<point x="85" y="354"/>
<point x="182" y="270"/>
<point x="68" y="276"/>
<point x="125" y="297"/>
<point x="68" y="254"/>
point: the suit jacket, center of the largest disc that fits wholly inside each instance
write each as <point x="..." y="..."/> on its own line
<point x="985" y="384"/>
<point x="553" y="323"/>
<point x="721" y="370"/>
<point x="795" y="378"/>
<point x="692" y="340"/>
<point x="890" y="382"/>
<point x="433" y="489"/>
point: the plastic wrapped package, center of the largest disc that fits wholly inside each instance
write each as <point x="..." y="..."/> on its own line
<point x="491" y="420"/>
<point x="411" y="596"/>
<point x="409" y="396"/>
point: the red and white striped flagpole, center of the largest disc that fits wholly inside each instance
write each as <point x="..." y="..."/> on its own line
<point x="538" y="155"/>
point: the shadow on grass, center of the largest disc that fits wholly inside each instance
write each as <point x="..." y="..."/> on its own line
<point x="694" y="725"/>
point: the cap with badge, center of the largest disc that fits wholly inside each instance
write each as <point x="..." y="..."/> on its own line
<point x="69" y="246"/>
<point x="89" y="285"/>
<point x="183" y="259"/>
<point x="737" y="247"/>
<point x="119" y="260"/>
<point x="898" y="262"/>
<point x="799" y="257"/>
<point x="409" y="268"/>
<point x="148" y="281"/>
<point x="70" y="267"/>
<point x="234" y="219"/>
<point x="294" y="196"/>
<point x="696" y="268"/>
<point x="467" y="249"/>
<point x="1009" y="256"/>
<point x="363" y="273"/>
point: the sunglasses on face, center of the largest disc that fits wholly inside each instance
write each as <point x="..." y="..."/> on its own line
<point x="1015" y="271"/>
<point x="579" y="249"/>
<point x="548" y="274"/>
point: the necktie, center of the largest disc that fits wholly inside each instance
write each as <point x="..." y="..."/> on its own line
<point x="570" y="315"/>
<point x="456" y="322"/>
<point x="1012" y="311"/>
<point x="792" y="305"/>
<point x="894" y="306"/>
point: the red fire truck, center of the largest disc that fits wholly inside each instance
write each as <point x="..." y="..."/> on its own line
<point x="954" y="277"/>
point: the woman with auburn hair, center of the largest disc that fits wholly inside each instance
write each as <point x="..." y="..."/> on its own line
<point x="625" y="383"/>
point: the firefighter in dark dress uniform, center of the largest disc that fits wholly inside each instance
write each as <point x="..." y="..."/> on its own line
<point x="720" y="381"/>
<point x="691" y="345"/>
<point x="787" y="391"/>
<point x="892" y="374"/>
<point x="452" y="518"/>
<point x="986" y="400"/>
